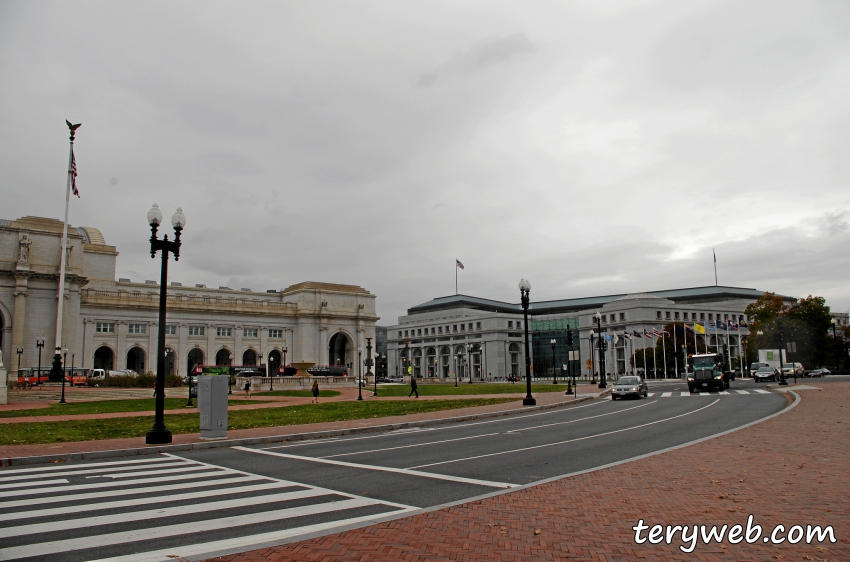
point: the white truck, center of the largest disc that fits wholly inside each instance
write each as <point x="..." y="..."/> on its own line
<point x="771" y="357"/>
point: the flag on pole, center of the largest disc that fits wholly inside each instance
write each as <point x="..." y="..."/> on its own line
<point x="688" y="328"/>
<point x="733" y="325"/>
<point x="699" y="328"/>
<point x="665" y="332"/>
<point x="626" y="335"/>
<point x="656" y="332"/>
<point x="636" y="334"/>
<point x="73" y="172"/>
<point x="458" y="264"/>
<point x="646" y="333"/>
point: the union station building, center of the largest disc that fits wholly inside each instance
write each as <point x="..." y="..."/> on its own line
<point x="111" y="324"/>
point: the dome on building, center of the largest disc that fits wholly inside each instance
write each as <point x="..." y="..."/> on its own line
<point x="92" y="235"/>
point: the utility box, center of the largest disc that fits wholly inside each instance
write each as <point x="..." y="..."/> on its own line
<point x="212" y="401"/>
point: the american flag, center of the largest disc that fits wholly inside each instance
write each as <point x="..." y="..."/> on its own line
<point x="646" y="333"/>
<point x="73" y="172"/>
<point x="665" y="332"/>
<point x="656" y="332"/>
<point x="457" y="263"/>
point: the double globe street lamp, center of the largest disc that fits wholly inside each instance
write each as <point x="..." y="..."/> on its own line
<point x="159" y="434"/>
<point x="602" y="345"/>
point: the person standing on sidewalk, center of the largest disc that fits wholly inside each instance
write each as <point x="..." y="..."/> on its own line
<point x="315" y="390"/>
<point x="413" y="387"/>
<point x="247" y="389"/>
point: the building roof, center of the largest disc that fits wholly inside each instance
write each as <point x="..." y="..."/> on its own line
<point x="709" y="293"/>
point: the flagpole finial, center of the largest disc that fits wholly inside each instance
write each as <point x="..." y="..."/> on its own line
<point x="73" y="128"/>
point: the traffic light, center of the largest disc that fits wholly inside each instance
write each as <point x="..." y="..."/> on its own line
<point x="569" y="337"/>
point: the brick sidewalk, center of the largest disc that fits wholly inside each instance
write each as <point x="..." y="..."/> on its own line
<point x="791" y="469"/>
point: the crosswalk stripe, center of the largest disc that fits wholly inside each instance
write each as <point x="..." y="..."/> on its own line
<point x="649" y="394"/>
<point x="190" y="468"/>
<point x="705" y="394"/>
<point x="760" y="391"/>
<point x="666" y="394"/>
<point x="36" y="483"/>
<point x="203" y="473"/>
<point x="148" y="499"/>
<point x="742" y="391"/>
<point x="89" y="464"/>
<point x="685" y="393"/>
<point x="143" y="515"/>
<point x="723" y="392"/>
<point x="244" y="542"/>
<point x="3" y="480"/>
<point x="135" y="535"/>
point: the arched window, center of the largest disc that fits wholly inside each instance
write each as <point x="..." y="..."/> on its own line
<point x="136" y="359"/>
<point x="513" y="350"/>
<point x="249" y="358"/>
<point x="417" y="363"/>
<point x="195" y="358"/>
<point x="431" y="362"/>
<point x="223" y="358"/>
<point x="103" y="358"/>
<point x="445" y="361"/>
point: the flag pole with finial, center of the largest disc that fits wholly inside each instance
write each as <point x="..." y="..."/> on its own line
<point x="63" y="255"/>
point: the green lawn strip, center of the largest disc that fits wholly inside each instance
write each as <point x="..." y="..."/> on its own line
<point x="107" y="407"/>
<point x="463" y="388"/>
<point x="137" y="426"/>
<point x="299" y="393"/>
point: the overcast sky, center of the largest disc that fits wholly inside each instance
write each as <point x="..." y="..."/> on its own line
<point x="591" y="147"/>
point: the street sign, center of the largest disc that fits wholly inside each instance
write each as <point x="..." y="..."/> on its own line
<point x="588" y="363"/>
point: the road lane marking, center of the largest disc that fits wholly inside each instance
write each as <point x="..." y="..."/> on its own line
<point x="113" y="493"/>
<point x="408" y="446"/>
<point x="100" y="485"/>
<point x="395" y="433"/>
<point x="666" y="394"/>
<point x="742" y="392"/>
<point x="247" y="542"/>
<point x="135" y="535"/>
<point x="407" y="471"/>
<point x="157" y="513"/>
<point x="145" y="500"/>
<point x="685" y="394"/>
<point x="36" y="483"/>
<point x="77" y="472"/>
<point x="580" y="419"/>
<point x="563" y="442"/>
<point x="163" y="471"/>
<point x="5" y="471"/>
<point x="760" y="391"/>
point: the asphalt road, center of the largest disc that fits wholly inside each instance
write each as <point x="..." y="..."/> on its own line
<point x="232" y="499"/>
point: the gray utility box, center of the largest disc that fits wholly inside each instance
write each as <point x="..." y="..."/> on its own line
<point x="212" y="401"/>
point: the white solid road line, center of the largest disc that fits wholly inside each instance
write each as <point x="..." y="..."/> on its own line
<point x="244" y="543"/>
<point x="564" y="442"/>
<point x="35" y="483"/>
<point x="157" y="513"/>
<point x="113" y="493"/>
<point x="407" y="471"/>
<point x="580" y="419"/>
<point x="441" y="428"/>
<point x="78" y="472"/>
<point x="145" y="500"/>
<point x="408" y="446"/>
<point x="54" y="547"/>
<point x="4" y="471"/>
<point x="202" y="473"/>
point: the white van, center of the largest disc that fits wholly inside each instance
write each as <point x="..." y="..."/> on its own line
<point x="98" y="374"/>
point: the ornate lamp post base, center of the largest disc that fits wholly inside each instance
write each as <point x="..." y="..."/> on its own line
<point x="158" y="436"/>
<point x="529" y="401"/>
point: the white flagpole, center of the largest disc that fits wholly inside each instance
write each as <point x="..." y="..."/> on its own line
<point x="664" y="349"/>
<point x="643" y="347"/>
<point x="64" y="250"/>
<point x="675" y="353"/>
<point x="654" y="362"/>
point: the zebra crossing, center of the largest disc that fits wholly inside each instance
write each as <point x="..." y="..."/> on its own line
<point x="721" y="393"/>
<point x="162" y="507"/>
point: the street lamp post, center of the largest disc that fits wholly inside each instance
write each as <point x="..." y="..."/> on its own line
<point x="73" y="356"/>
<point x="229" y="374"/>
<point x="64" y="364"/>
<point x="554" y="378"/>
<point x="19" y="351"/>
<point x="271" y="372"/>
<point x="834" y="344"/>
<point x="159" y="434"/>
<point x="602" y="376"/>
<point x="457" y="367"/>
<point x="39" y="343"/>
<point x="592" y="358"/>
<point x="359" y="376"/>
<point x="369" y="363"/>
<point x="524" y="290"/>
<point x="782" y="381"/>
<point x="469" y="362"/>
<point x="284" y="359"/>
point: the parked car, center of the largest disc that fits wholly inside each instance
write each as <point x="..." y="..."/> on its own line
<point x="383" y="379"/>
<point x="818" y="372"/>
<point x="98" y="374"/>
<point x="399" y="379"/>
<point x="791" y="369"/>
<point x="756" y="366"/>
<point x="629" y="386"/>
<point x="765" y="374"/>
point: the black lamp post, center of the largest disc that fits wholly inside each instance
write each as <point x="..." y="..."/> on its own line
<point x="369" y="363"/>
<point x="834" y="344"/>
<point x="602" y="377"/>
<point x="469" y="362"/>
<point x="359" y="376"/>
<point x="592" y="358"/>
<point x="569" y="362"/>
<point x="230" y="374"/>
<point x="73" y="356"/>
<point x="524" y="290"/>
<point x="782" y="381"/>
<point x="64" y="363"/>
<point x="271" y="372"/>
<point x="457" y="367"/>
<point x="284" y="359"/>
<point x="159" y="434"/>
<point x="554" y="379"/>
<point x="189" y="401"/>
<point x="19" y="351"/>
<point x="39" y="343"/>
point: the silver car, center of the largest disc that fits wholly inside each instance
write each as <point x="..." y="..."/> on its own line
<point x="629" y="386"/>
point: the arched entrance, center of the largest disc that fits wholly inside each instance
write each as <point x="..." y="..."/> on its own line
<point x="249" y="358"/>
<point x="445" y="364"/>
<point x="170" y="362"/>
<point x="103" y="358"/>
<point x="195" y="357"/>
<point x="417" y="363"/>
<point x="340" y="350"/>
<point x="223" y="358"/>
<point x="431" y="354"/>
<point x="274" y="363"/>
<point x="460" y="358"/>
<point x="136" y="359"/>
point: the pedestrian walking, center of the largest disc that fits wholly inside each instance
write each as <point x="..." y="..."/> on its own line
<point x="154" y="389"/>
<point x="247" y="389"/>
<point x="413" y="387"/>
<point x="315" y="390"/>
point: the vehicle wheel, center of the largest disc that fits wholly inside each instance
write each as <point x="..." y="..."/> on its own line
<point x="613" y="397"/>
<point x="691" y="389"/>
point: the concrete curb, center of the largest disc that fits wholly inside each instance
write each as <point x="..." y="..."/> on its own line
<point x="248" y="441"/>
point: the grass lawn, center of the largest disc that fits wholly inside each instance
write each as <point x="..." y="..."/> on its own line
<point x="107" y="407"/>
<point x="299" y="393"/>
<point x="116" y="428"/>
<point x="464" y="388"/>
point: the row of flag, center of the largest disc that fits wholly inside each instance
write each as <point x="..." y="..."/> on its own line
<point x="698" y="328"/>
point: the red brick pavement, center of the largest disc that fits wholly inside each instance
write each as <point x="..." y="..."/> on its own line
<point x="791" y="469"/>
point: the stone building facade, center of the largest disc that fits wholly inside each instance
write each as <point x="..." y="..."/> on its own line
<point x="114" y="324"/>
<point x="460" y="334"/>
